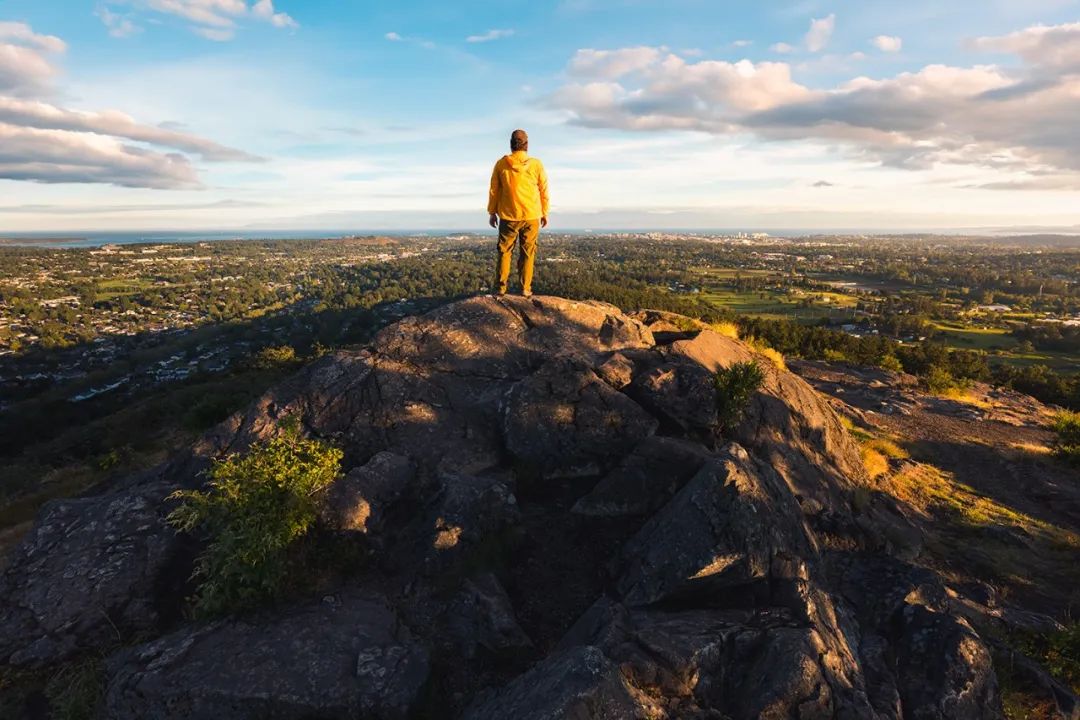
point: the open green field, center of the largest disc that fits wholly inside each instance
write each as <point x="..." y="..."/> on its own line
<point x="732" y="273"/>
<point x="1062" y="362"/>
<point x="975" y="338"/>
<point x="771" y="304"/>
<point x="118" y="287"/>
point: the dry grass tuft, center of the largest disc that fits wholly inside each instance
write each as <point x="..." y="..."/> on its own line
<point x="727" y="329"/>
<point x="875" y="463"/>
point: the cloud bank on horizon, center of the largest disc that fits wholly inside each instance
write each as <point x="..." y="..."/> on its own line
<point x="251" y="113"/>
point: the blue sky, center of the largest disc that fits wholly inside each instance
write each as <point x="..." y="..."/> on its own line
<point x="221" y="114"/>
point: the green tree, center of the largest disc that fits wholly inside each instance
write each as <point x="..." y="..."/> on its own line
<point x="735" y="386"/>
<point x="257" y="505"/>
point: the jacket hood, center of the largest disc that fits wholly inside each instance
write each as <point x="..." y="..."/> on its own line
<point x="517" y="161"/>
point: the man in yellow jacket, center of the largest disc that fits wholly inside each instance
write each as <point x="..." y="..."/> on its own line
<point x="518" y="206"/>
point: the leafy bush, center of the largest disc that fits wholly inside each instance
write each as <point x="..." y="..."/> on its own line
<point x="1067" y="446"/>
<point x="940" y="381"/>
<point x="1058" y="652"/>
<point x="735" y="386"/>
<point x="256" y="506"/>
<point x="274" y="356"/>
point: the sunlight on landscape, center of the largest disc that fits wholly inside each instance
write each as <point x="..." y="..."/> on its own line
<point x="592" y="359"/>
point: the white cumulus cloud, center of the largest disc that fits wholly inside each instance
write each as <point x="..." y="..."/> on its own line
<point x="888" y="43"/>
<point x="1017" y="122"/>
<point x="212" y="19"/>
<point x="42" y="142"/>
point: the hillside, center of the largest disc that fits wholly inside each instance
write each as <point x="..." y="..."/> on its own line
<point x="542" y="515"/>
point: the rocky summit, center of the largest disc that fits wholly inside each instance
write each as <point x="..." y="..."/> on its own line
<point x="539" y="517"/>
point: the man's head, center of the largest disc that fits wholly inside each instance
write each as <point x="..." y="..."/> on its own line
<point x="519" y="140"/>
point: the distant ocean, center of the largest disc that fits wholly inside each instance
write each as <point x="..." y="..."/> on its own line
<point x="97" y="239"/>
<point x="1069" y="236"/>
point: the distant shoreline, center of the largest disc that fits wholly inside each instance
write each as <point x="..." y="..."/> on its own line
<point x="40" y="241"/>
<point x="1065" y="237"/>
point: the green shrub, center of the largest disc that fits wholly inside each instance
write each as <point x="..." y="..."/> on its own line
<point x="256" y="506"/>
<point x="940" y="381"/>
<point x="735" y="386"/>
<point x="76" y="690"/>
<point x="272" y="357"/>
<point x="1067" y="446"/>
<point x="1058" y="652"/>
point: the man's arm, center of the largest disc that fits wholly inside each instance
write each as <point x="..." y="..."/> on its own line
<point x="493" y="192"/>
<point x="542" y="182"/>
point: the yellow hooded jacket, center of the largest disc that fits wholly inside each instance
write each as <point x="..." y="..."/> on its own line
<point x="519" y="188"/>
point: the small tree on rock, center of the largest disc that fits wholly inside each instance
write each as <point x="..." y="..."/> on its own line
<point x="258" y="503"/>
<point x="735" y="386"/>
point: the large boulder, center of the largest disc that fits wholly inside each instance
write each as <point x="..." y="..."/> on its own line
<point x="681" y="394"/>
<point x="731" y="663"/>
<point x="339" y="657"/>
<point x="480" y="619"/>
<point x="645" y="480"/>
<point x="581" y="684"/>
<point x="91" y="573"/>
<point x="563" y="421"/>
<point x="361" y="500"/>
<point x="733" y="530"/>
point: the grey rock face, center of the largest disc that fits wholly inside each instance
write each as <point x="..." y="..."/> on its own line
<point x="339" y="658"/>
<point x="360" y="500"/>
<point x="681" y="393"/>
<point x="733" y="525"/>
<point x="467" y="514"/>
<point x="565" y="422"/>
<point x="581" y="684"/>
<point x="645" y="480"/>
<point x="86" y="577"/>
<point x="481" y="618"/>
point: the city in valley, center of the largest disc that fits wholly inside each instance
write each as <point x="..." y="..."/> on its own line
<point x="93" y="339"/>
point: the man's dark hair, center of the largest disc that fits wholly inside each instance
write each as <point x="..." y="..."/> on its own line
<point x="519" y="140"/>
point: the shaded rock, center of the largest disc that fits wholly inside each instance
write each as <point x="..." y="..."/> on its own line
<point x="581" y="684"/>
<point x="917" y="654"/>
<point x="943" y="669"/>
<point x="790" y="427"/>
<point x="563" y="421"/>
<point x="733" y="526"/>
<point x="682" y="393"/>
<point x="617" y="371"/>
<point x="480" y="616"/>
<point x="323" y="398"/>
<point x="361" y="500"/>
<point x="726" y="663"/>
<point x="645" y="480"/>
<point x="469" y="515"/>
<point x="88" y="575"/>
<point x="342" y="658"/>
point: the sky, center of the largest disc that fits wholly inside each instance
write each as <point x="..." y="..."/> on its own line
<point x="362" y="115"/>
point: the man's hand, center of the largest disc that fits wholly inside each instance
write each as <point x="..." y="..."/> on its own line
<point x="493" y="220"/>
<point x="543" y="222"/>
